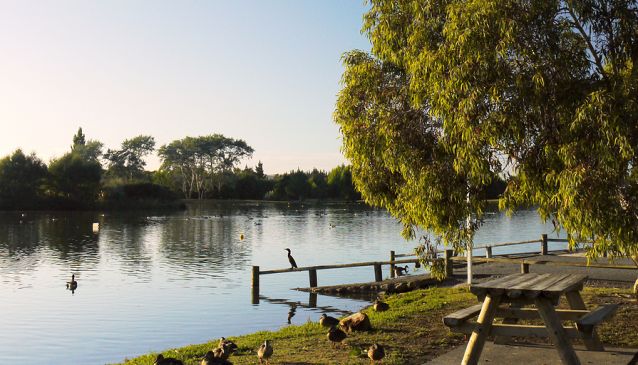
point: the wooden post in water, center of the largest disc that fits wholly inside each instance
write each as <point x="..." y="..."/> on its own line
<point x="312" y="274"/>
<point x="524" y="268"/>
<point x="255" y="285"/>
<point x="488" y="252"/>
<point x="449" y="270"/>
<point x="378" y="274"/>
<point x="392" y="258"/>
<point x="544" y="244"/>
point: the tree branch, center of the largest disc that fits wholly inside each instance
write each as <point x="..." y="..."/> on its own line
<point x="587" y="39"/>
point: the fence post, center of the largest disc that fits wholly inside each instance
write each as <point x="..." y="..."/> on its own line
<point x="544" y="244"/>
<point x="524" y="268"/>
<point x="312" y="274"/>
<point x="449" y="270"/>
<point x="392" y="258"/>
<point x="255" y="285"/>
<point x="488" y="252"/>
<point x="378" y="274"/>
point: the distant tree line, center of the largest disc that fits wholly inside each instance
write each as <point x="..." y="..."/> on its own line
<point x="204" y="167"/>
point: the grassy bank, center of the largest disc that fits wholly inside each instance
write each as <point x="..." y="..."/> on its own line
<point x="411" y="331"/>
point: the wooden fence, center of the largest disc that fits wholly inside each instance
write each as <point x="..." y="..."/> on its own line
<point x="448" y="257"/>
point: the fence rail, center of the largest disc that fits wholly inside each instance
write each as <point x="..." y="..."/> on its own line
<point x="448" y="259"/>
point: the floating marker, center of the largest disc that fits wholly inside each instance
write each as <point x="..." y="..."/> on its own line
<point x="241" y="236"/>
<point x="96" y="227"/>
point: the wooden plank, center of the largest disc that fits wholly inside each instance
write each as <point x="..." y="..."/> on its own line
<point x="482" y="329"/>
<point x="481" y="288"/>
<point x="515" y="330"/>
<point x="596" y="316"/>
<point x="556" y="332"/>
<point x="536" y="289"/>
<point x="532" y="313"/>
<point x="572" y="282"/>
<point x="456" y="318"/>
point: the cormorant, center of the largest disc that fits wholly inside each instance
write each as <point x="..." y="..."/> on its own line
<point x="293" y="264"/>
<point x="265" y="352"/>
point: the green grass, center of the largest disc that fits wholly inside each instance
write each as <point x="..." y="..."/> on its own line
<point x="413" y="319"/>
<point x="411" y="331"/>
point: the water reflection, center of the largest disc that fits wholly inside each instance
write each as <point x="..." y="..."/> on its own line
<point x="188" y="271"/>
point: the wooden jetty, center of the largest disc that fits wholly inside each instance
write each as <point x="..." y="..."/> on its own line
<point x="449" y="261"/>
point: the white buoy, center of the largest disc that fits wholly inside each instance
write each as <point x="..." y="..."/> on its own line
<point x="96" y="227"/>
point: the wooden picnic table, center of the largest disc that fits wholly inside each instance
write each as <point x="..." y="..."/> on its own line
<point x="544" y="292"/>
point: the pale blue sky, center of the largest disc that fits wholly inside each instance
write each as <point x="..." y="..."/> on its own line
<point x="264" y="71"/>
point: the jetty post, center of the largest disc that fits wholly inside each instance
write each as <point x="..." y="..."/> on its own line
<point x="488" y="252"/>
<point x="378" y="274"/>
<point x="255" y="285"/>
<point x="312" y="275"/>
<point x="544" y="244"/>
<point x="448" y="263"/>
<point x="524" y="267"/>
<point x="392" y="258"/>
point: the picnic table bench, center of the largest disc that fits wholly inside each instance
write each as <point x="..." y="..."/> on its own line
<point x="544" y="292"/>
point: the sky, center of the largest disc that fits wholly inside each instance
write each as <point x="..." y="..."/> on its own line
<point x="266" y="72"/>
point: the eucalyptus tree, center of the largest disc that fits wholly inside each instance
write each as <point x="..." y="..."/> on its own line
<point x="453" y="90"/>
<point x="201" y="161"/>
<point x="128" y="162"/>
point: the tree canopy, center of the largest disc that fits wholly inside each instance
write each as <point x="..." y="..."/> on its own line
<point x="128" y="162"/>
<point x="200" y="163"/>
<point x="455" y="92"/>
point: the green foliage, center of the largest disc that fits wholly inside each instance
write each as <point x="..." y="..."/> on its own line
<point x="202" y="163"/>
<point x="455" y="90"/>
<point x="75" y="178"/>
<point x="128" y="162"/>
<point x="21" y="179"/>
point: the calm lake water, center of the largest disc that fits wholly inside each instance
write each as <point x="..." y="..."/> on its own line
<point x="153" y="281"/>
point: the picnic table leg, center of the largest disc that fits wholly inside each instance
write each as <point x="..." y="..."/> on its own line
<point x="503" y="340"/>
<point x="591" y="340"/>
<point x="483" y="328"/>
<point x="556" y="331"/>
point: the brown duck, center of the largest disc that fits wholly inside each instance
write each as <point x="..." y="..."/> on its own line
<point x="376" y="353"/>
<point x="336" y="335"/>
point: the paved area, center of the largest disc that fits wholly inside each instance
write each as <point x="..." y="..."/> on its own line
<point x="532" y="354"/>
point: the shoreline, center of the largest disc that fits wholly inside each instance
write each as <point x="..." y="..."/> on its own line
<point x="411" y="331"/>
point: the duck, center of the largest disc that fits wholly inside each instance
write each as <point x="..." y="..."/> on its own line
<point x="72" y="285"/>
<point x="376" y="353"/>
<point x="380" y="306"/>
<point x="161" y="360"/>
<point x="265" y="352"/>
<point x="335" y="335"/>
<point x="327" y="321"/>
<point x="400" y="271"/>
<point x="293" y="264"/>
<point x="210" y="359"/>
<point x="223" y="342"/>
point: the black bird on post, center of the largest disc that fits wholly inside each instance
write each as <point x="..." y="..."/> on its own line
<point x="293" y="264"/>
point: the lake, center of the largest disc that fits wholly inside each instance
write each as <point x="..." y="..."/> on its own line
<point x="149" y="281"/>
